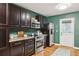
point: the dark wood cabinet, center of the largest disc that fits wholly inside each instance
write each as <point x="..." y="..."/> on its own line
<point x="14" y="15"/>
<point x="29" y="47"/>
<point x="25" y="18"/>
<point x="28" y="20"/>
<point x="40" y="19"/>
<point x="3" y="37"/>
<point x="20" y="48"/>
<point x="17" y="48"/>
<point x="16" y="18"/>
<point x="3" y="15"/>
<point x="4" y="52"/>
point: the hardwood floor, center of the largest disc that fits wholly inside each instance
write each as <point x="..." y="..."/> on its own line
<point x="49" y="50"/>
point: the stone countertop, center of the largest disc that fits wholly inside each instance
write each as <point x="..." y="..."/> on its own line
<point x="20" y="39"/>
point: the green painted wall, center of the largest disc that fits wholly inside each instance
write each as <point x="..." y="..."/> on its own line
<point x="56" y="19"/>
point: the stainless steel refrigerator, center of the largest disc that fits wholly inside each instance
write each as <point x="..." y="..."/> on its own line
<point x="51" y="33"/>
<point x="48" y="30"/>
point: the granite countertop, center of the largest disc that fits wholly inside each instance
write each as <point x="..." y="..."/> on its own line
<point x="19" y="39"/>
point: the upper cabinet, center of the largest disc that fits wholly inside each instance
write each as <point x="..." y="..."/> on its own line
<point x="40" y="19"/>
<point x="25" y="18"/>
<point x="3" y="15"/>
<point x="14" y="15"/>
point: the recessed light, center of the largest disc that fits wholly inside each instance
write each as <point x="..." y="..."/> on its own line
<point x="63" y="6"/>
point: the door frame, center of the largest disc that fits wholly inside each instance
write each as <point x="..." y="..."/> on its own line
<point x="72" y="18"/>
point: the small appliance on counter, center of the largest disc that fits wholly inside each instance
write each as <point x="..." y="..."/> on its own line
<point x="13" y="36"/>
<point x="20" y="34"/>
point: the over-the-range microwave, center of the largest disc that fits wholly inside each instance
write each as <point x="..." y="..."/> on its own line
<point x="35" y="25"/>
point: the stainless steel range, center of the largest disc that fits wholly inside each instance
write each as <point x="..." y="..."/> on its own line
<point x="39" y="43"/>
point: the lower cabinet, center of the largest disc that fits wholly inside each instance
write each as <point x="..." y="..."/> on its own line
<point x="17" y="48"/>
<point x="29" y="51"/>
<point x="29" y="47"/>
<point x="4" y="52"/>
<point x="22" y="48"/>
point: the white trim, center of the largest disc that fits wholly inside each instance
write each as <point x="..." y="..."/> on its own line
<point x="60" y="28"/>
<point x="67" y="46"/>
<point x="57" y="44"/>
<point x="76" y="48"/>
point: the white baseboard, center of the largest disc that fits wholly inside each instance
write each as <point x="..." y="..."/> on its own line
<point x="61" y="45"/>
<point x="72" y="47"/>
<point x="57" y="44"/>
<point x="76" y="48"/>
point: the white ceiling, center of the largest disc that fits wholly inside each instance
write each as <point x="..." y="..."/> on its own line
<point x="48" y="9"/>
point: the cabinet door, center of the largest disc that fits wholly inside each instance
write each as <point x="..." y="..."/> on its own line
<point x="3" y="38"/>
<point x="31" y="51"/>
<point x="16" y="49"/>
<point x="2" y="13"/>
<point x="14" y="15"/>
<point x="40" y="19"/>
<point x="4" y="52"/>
<point x="31" y="41"/>
<point x="23" y="17"/>
<point x="29" y="47"/>
<point x="26" y="50"/>
<point x="28" y="19"/>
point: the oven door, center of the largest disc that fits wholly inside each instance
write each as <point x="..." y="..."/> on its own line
<point x="39" y="43"/>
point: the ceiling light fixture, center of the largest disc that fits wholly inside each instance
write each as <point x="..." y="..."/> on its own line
<point x="63" y="6"/>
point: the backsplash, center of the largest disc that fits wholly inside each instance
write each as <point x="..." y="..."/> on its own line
<point x="27" y="32"/>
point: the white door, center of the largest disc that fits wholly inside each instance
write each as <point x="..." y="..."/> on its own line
<point x="67" y="32"/>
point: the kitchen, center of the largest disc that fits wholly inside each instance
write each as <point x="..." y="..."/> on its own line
<point x="39" y="29"/>
<point x="22" y="31"/>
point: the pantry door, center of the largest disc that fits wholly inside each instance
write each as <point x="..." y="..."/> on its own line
<point x="67" y="32"/>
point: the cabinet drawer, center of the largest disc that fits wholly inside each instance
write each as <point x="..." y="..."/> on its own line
<point x="31" y="41"/>
<point x="31" y="46"/>
<point x="12" y="44"/>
